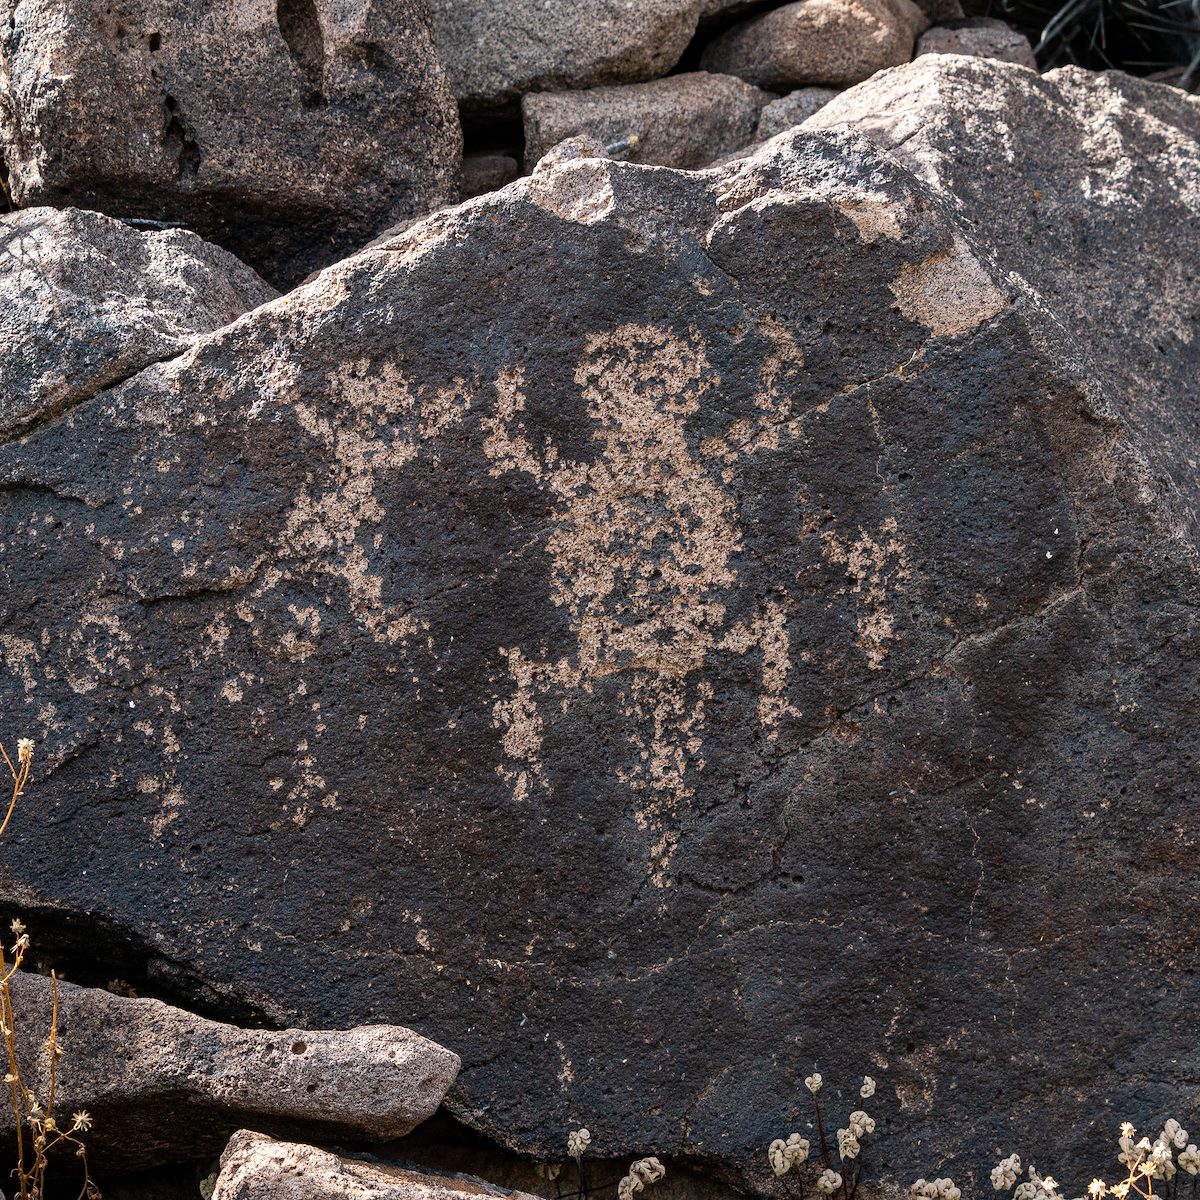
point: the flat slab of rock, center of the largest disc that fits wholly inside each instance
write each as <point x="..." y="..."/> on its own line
<point x="86" y="301"/>
<point x="681" y="121"/>
<point x="497" y="50"/>
<point x="255" y="1167"/>
<point x="833" y="43"/>
<point x="656" y="630"/>
<point x="985" y="37"/>
<point x="287" y="131"/>
<point x="165" y="1086"/>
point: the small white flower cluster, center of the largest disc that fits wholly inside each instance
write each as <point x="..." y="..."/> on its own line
<point x="24" y="750"/>
<point x="828" y="1182"/>
<point x="1151" y="1160"/>
<point x="783" y="1156"/>
<point x="578" y="1140"/>
<point x="1144" y="1160"/>
<point x="1037" y="1187"/>
<point x="1175" y="1134"/>
<point x="848" y="1146"/>
<point x="934" y="1189"/>
<point x="642" y="1172"/>
<point x="1006" y="1173"/>
<point x="849" y="1138"/>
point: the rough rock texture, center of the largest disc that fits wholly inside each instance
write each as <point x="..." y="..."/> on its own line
<point x="681" y="121"/>
<point x="166" y="1086"/>
<point x="86" y="301"/>
<point x="496" y="50"/>
<point x="985" y="37"/>
<point x="487" y="173"/>
<point x="830" y="42"/>
<point x="793" y="109"/>
<point x="254" y="1167"/>
<point x="655" y="631"/>
<point x="288" y="131"/>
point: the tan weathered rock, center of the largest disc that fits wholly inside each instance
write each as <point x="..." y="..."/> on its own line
<point x="833" y="43"/>
<point x="256" y="1167"/>
<point x="681" y="121"/>
<point x="497" y="50"/>
<point x="983" y="37"/>
<point x="287" y="131"/>
<point x="166" y="1086"/>
<point x="792" y="110"/>
<point x="86" y="300"/>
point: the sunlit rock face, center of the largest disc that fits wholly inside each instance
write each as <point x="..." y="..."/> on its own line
<point x="656" y="632"/>
<point x="288" y="131"/>
<point x="89" y="301"/>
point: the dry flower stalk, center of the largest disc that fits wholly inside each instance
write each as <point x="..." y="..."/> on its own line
<point x="38" y="1131"/>
<point x="1165" y="1160"/>
<point x="843" y="1176"/>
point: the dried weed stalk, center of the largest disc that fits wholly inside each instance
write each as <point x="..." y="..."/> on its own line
<point x="38" y="1131"/>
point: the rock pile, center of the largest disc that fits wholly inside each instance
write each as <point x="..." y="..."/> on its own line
<point x="648" y="629"/>
<point x="292" y="132"/>
<point x="288" y="131"/>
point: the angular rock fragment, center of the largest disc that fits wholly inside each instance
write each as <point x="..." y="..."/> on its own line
<point x="86" y="301"/>
<point x="255" y="1167"/>
<point x="681" y="121"/>
<point x="287" y="131"/>
<point x="497" y="50"/>
<point x="655" y="630"/>
<point x="165" y="1086"/>
<point x="833" y="43"/>
<point x="984" y="37"/>
<point x="1068" y="218"/>
<point x="791" y="110"/>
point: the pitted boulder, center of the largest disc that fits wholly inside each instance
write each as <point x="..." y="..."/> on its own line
<point x="656" y="630"/>
<point x="833" y="43"/>
<point x="287" y="131"/>
<point x="497" y="50"/>
<point x="86" y="301"/>
<point x="164" y="1086"/>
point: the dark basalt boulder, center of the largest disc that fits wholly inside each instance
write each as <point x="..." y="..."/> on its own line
<point x="655" y="632"/>
<point x="288" y="131"/>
